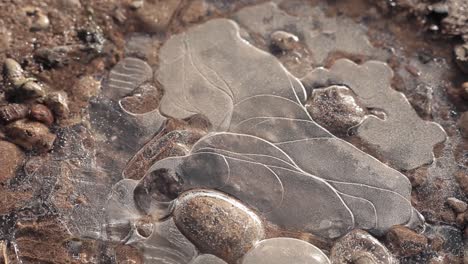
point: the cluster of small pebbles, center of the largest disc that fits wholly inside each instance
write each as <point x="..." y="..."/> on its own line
<point x="29" y="109"/>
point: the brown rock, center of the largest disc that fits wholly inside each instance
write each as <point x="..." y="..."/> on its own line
<point x="41" y="113"/>
<point x="144" y="98"/>
<point x="460" y="219"/>
<point x="462" y="179"/>
<point x="405" y="242"/>
<point x="436" y="243"/>
<point x="463" y="124"/>
<point x="12" y="112"/>
<point x="447" y="216"/>
<point x="11" y="158"/>
<point x="418" y="176"/>
<point x="58" y="103"/>
<point x="335" y="108"/>
<point x="157" y="14"/>
<point x="30" y="135"/>
<point x="217" y="224"/>
<point x="457" y="205"/>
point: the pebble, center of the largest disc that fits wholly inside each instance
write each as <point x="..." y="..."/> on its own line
<point x="464" y="92"/>
<point x="157" y="14"/>
<point x="18" y="86"/>
<point x="283" y="40"/>
<point x="53" y="57"/>
<point x="285" y="250"/>
<point x="137" y="4"/>
<point x="31" y="89"/>
<point x="463" y="124"/>
<point x="30" y="135"/>
<point x="405" y="242"/>
<point x="144" y="99"/>
<point x="461" y="57"/>
<point x="41" y="113"/>
<point x="359" y="246"/>
<point x="462" y="179"/>
<point x="207" y="259"/>
<point x="217" y="224"/>
<point x="457" y="205"/>
<point x="13" y="73"/>
<point x="335" y="108"/>
<point x="12" y="112"/>
<point x="41" y="21"/>
<point x="58" y="103"/>
<point x="11" y="159"/>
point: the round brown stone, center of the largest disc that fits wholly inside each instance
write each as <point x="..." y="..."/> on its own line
<point x="217" y="224"/>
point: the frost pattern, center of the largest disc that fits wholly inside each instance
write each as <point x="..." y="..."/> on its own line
<point x="268" y="152"/>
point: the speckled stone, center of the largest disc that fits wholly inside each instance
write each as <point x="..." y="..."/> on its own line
<point x="217" y="224"/>
<point x="30" y="135"/>
<point x="11" y="158"/>
<point x="335" y="108"/>
<point x="406" y="242"/>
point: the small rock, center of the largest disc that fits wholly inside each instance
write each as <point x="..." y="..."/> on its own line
<point x="457" y="205"/>
<point x="436" y="243"/>
<point x="13" y="73"/>
<point x="439" y="8"/>
<point x="335" y="108"/>
<point x="217" y="224"/>
<point x="144" y="227"/>
<point x="30" y="135"/>
<point x="11" y="159"/>
<point x="462" y="179"/>
<point x="41" y="113"/>
<point x="207" y="259"/>
<point x="283" y="250"/>
<point x="136" y="4"/>
<point x="283" y="40"/>
<point x="12" y="112"/>
<point x="418" y="177"/>
<point x="92" y="35"/>
<point x="405" y="242"/>
<point x="144" y="99"/>
<point x="461" y="57"/>
<point x="40" y="22"/>
<point x="460" y="219"/>
<point x="359" y="247"/>
<point x="53" y="57"/>
<point x="17" y="85"/>
<point x="463" y="124"/>
<point x="31" y="89"/>
<point x="157" y="14"/>
<point x="58" y="103"/>
<point x="465" y="90"/>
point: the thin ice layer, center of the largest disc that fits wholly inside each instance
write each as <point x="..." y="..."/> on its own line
<point x="292" y="170"/>
<point x="323" y="35"/>
<point x="402" y="137"/>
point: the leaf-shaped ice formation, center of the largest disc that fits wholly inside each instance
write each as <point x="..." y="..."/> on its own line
<point x="403" y="137"/>
<point x="272" y="155"/>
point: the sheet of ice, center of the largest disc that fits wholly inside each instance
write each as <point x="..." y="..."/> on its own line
<point x="402" y="137"/>
<point x="323" y="35"/>
<point x="246" y="92"/>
